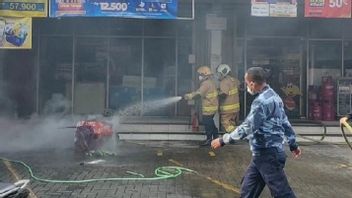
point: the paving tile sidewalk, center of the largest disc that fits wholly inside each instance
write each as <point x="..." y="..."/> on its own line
<point x="323" y="171"/>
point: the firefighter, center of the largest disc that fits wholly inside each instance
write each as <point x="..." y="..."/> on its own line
<point x="209" y="95"/>
<point x="228" y="98"/>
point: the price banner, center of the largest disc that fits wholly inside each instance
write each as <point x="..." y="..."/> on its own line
<point x="156" y="9"/>
<point x="327" y="8"/>
<point x="23" y="8"/>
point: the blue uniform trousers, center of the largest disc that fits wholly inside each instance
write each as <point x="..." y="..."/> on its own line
<point x="266" y="168"/>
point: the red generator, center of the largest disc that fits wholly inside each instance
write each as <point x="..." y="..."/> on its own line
<point x="91" y="135"/>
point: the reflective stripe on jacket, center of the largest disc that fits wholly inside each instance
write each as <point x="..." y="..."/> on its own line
<point x="209" y="94"/>
<point x="229" y="87"/>
<point x="232" y="107"/>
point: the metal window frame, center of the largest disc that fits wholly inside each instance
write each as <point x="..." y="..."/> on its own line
<point x="75" y="37"/>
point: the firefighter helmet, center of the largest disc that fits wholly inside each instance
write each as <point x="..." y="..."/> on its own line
<point x="204" y="71"/>
<point x="223" y="70"/>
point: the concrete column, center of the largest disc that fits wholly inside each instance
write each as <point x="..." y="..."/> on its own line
<point x="215" y="25"/>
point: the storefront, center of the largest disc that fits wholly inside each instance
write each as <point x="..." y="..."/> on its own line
<point x="122" y="62"/>
<point x="94" y="64"/>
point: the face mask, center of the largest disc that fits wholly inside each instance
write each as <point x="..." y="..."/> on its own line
<point x="201" y="78"/>
<point x="250" y="91"/>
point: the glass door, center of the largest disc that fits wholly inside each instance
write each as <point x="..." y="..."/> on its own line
<point x="55" y="87"/>
<point x="125" y="65"/>
<point x="90" y="75"/>
<point x="283" y="60"/>
<point x="325" y="62"/>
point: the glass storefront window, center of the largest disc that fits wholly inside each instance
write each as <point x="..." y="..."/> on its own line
<point x="347" y="58"/>
<point x="344" y="96"/>
<point x="127" y="27"/>
<point x="347" y="29"/>
<point x="282" y="59"/>
<point x="324" y="69"/>
<point x="92" y="26"/>
<point x="54" y="26"/>
<point x="17" y="83"/>
<point x="238" y="71"/>
<point x="325" y="60"/>
<point x="268" y="26"/>
<point x="327" y="28"/>
<point x="159" y="73"/>
<point x="184" y="29"/>
<point x="184" y="74"/>
<point x="55" y="75"/>
<point x="125" y="75"/>
<point x="241" y="19"/>
<point x="90" y="75"/>
<point x="159" y="27"/>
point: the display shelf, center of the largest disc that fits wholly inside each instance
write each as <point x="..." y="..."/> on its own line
<point x="344" y="96"/>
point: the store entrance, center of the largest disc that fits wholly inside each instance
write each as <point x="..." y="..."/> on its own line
<point x="325" y="62"/>
<point x="283" y="60"/>
<point x="125" y="74"/>
<point x="90" y="75"/>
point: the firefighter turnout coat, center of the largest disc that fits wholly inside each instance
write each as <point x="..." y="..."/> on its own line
<point x="209" y="94"/>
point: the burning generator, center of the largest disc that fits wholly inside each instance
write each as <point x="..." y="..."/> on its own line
<point x="91" y="135"/>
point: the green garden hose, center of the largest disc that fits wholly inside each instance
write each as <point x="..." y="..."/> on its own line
<point x="163" y="172"/>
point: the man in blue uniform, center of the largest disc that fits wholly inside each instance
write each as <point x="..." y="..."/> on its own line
<point x="266" y="127"/>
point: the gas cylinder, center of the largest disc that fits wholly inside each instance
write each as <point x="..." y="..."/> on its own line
<point x="316" y="110"/>
<point x="328" y="88"/>
<point x="313" y="100"/>
<point x="328" y="111"/>
<point x="310" y="110"/>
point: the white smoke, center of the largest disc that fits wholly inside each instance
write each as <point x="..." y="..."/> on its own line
<point x="57" y="104"/>
<point x="36" y="133"/>
<point x="57" y="131"/>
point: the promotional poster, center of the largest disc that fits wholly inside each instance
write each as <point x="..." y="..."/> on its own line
<point x="328" y="8"/>
<point x="155" y="9"/>
<point x="15" y="33"/>
<point x="274" y="8"/>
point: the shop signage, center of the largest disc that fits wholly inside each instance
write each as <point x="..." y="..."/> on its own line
<point x="274" y="8"/>
<point x="214" y="22"/>
<point x="23" y="8"/>
<point x="155" y="9"/>
<point x="327" y="8"/>
<point x="15" y="33"/>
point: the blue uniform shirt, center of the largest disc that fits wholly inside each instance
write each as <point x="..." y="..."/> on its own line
<point x="266" y="125"/>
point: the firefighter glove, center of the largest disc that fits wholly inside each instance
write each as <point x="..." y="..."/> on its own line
<point x="188" y="96"/>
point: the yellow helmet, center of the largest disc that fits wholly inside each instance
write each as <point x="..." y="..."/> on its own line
<point x="204" y="71"/>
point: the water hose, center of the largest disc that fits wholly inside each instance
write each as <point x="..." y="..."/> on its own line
<point x="310" y="123"/>
<point x="344" y="134"/>
<point x="163" y="172"/>
<point x="312" y="139"/>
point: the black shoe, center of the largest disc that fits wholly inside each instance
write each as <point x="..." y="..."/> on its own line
<point x="206" y="143"/>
